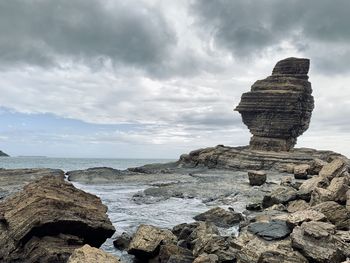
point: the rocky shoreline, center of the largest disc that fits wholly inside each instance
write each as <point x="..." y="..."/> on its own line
<point x="285" y="219"/>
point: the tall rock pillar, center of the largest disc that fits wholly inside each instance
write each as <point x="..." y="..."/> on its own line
<point x="278" y="109"/>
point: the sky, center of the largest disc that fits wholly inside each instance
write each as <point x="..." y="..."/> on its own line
<point x="158" y="78"/>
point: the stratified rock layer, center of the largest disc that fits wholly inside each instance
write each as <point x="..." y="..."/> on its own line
<point x="49" y="219"/>
<point x="278" y="109"/>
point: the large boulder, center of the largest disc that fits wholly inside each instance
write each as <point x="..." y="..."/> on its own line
<point x="88" y="254"/>
<point x="278" y="109"/>
<point x="337" y="214"/>
<point x="256" y="177"/>
<point x="48" y="220"/>
<point x="146" y="242"/>
<point x="281" y="195"/>
<point x="318" y="243"/>
<point x="220" y="217"/>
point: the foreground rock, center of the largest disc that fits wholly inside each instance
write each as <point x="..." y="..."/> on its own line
<point x="220" y="217"/>
<point x="278" y="109"/>
<point x="273" y="230"/>
<point x="146" y="242"/>
<point x="48" y="220"/>
<point x="87" y="254"/>
<point x="316" y="240"/>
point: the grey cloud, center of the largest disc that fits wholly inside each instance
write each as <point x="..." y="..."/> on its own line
<point x="42" y="32"/>
<point x="249" y="28"/>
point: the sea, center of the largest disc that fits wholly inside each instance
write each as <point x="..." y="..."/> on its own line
<point x="125" y="214"/>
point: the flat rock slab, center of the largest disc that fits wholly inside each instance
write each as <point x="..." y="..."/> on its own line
<point x="275" y="229"/>
<point x="220" y="217"/>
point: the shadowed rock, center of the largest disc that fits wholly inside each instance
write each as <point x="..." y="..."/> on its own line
<point x="48" y="220"/>
<point x="278" y="109"/>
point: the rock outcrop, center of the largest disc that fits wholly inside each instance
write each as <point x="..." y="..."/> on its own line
<point x="278" y="109"/>
<point x="2" y="154"/>
<point x="48" y="220"/>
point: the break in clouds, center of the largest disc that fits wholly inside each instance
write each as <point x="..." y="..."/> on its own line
<point x="173" y="69"/>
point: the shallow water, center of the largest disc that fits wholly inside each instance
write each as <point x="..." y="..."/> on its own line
<point x="126" y="215"/>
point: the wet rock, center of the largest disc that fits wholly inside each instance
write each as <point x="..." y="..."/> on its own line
<point x="87" y="254"/>
<point x="281" y="195"/>
<point x="96" y="175"/>
<point x="256" y="177"/>
<point x="297" y="205"/>
<point x="51" y="216"/>
<point x="335" y="213"/>
<point x="174" y="254"/>
<point x="317" y="242"/>
<point x="206" y="258"/>
<point x="146" y="241"/>
<point x="122" y="242"/>
<point x="220" y="217"/>
<point x="278" y="109"/>
<point x="273" y="230"/>
<point x="299" y="217"/>
<point x="301" y="171"/>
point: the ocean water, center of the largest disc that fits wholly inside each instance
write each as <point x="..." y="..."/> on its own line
<point x="125" y="214"/>
<point x="68" y="164"/>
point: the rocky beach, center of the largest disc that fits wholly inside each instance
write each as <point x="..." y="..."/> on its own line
<point x="267" y="202"/>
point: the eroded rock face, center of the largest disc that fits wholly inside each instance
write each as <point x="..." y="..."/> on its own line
<point x="278" y="109"/>
<point x="48" y="220"/>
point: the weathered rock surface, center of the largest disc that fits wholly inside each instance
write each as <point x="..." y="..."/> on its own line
<point x="88" y="254"/>
<point x="273" y="230"/>
<point x="301" y="171"/>
<point x="256" y="177"/>
<point x="97" y="175"/>
<point x="220" y="217"/>
<point x="299" y="217"/>
<point x="122" y="242"/>
<point x="297" y="205"/>
<point x="173" y="254"/>
<point x="145" y="243"/>
<point x="335" y="213"/>
<point x="281" y="195"/>
<point x="278" y="109"/>
<point x="49" y="219"/>
<point x="206" y="258"/>
<point x="244" y="158"/>
<point x="13" y="180"/>
<point x="318" y="243"/>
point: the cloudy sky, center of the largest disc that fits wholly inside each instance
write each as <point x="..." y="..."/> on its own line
<point x="157" y="78"/>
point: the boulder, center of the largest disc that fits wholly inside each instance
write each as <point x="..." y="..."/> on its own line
<point x="297" y="205"/>
<point x="335" y="213"/>
<point x="339" y="187"/>
<point x="316" y="166"/>
<point x="333" y="169"/>
<point x="220" y="217"/>
<point x="317" y="242"/>
<point x="309" y="185"/>
<point x="281" y="195"/>
<point x="174" y="254"/>
<point x="87" y="254"/>
<point x="256" y="177"/>
<point x="283" y="254"/>
<point x="146" y="241"/>
<point x="122" y="242"/>
<point x="301" y="171"/>
<point x="272" y="230"/>
<point x="299" y="217"/>
<point x="51" y="218"/>
<point x="278" y="109"/>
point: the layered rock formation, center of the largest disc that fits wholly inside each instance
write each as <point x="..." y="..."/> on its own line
<point x="278" y="109"/>
<point x="48" y="220"/>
